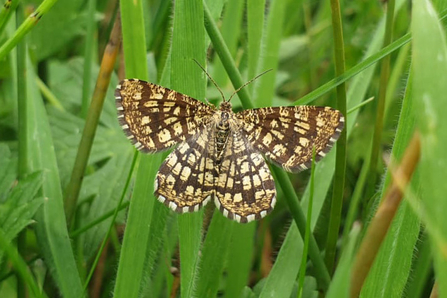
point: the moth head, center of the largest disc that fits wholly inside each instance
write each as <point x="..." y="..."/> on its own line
<point x="225" y="106"/>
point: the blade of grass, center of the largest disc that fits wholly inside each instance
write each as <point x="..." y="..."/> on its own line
<point x="25" y="27"/>
<point x="216" y="7"/>
<point x="239" y="261"/>
<point x="21" y="203"/>
<point x="400" y="67"/>
<point x="231" y="27"/>
<point x="393" y="262"/>
<point x="380" y="109"/>
<point x="133" y="39"/>
<point x="255" y="28"/>
<point x="214" y="255"/>
<point x="339" y="287"/>
<point x="23" y="165"/>
<point x="22" y="99"/>
<point x="5" y="14"/>
<point x="9" y="174"/>
<point x="91" y="122"/>
<point x="48" y="95"/>
<point x="98" y="220"/>
<point x="291" y="249"/>
<point x="429" y="62"/>
<point x="340" y="161"/>
<point x="225" y="57"/>
<point x="381" y="222"/>
<point x="188" y="43"/>
<point x="132" y="271"/>
<point x="321" y="272"/>
<point x="355" y="202"/>
<point x="302" y="273"/>
<point x="365" y="102"/>
<point x="20" y="265"/>
<point x="51" y="225"/>
<point x="88" y="57"/>
<point x="265" y="86"/>
<point x="112" y="224"/>
<point x="156" y="237"/>
<point x="370" y="60"/>
<point x="420" y="274"/>
<point x="7" y="275"/>
<point x="159" y="213"/>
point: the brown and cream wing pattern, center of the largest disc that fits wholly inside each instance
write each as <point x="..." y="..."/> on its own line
<point x="156" y="118"/>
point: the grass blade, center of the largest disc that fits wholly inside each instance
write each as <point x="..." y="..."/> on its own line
<point x="422" y="269"/>
<point x="386" y="212"/>
<point x="239" y="259"/>
<point x="302" y="272"/>
<point x="380" y="108"/>
<point x="20" y="265"/>
<point x="231" y="27"/>
<point x="292" y="249"/>
<point x="132" y="270"/>
<point x="429" y="64"/>
<point x="265" y="86"/>
<point x="214" y="254"/>
<point x="339" y="287"/>
<point x="5" y="14"/>
<point x="340" y="162"/>
<point x="188" y="43"/>
<point x="393" y="262"/>
<point x="51" y="230"/>
<point x="91" y="123"/>
<point x="26" y="26"/>
<point x="255" y="28"/>
<point x="88" y="58"/>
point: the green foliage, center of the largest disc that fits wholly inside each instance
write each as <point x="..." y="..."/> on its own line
<point x="135" y="246"/>
<point x="429" y="64"/>
<point x="20" y="203"/>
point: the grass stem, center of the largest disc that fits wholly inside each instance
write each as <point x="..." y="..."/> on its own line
<point x="378" y="128"/>
<point x="91" y="122"/>
<point x="340" y="162"/>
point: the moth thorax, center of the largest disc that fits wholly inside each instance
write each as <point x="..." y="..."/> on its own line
<point x="222" y="131"/>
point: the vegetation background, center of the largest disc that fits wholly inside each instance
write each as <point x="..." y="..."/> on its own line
<point x="77" y="214"/>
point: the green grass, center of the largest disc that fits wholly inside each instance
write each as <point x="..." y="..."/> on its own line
<point x="120" y="240"/>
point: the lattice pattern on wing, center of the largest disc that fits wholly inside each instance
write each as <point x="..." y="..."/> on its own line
<point x="245" y="189"/>
<point x="156" y="118"/>
<point x="185" y="181"/>
<point x="286" y="135"/>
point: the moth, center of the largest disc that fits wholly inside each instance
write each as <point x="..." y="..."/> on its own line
<point x="221" y="154"/>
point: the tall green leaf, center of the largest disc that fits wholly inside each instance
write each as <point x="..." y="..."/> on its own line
<point x="132" y="271"/>
<point x="51" y="227"/>
<point x="429" y="66"/>
<point x="392" y="266"/>
<point x="188" y="43"/>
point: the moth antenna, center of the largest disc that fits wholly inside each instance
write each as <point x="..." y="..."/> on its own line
<point x="238" y="89"/>
<point x="211" y="79"/>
